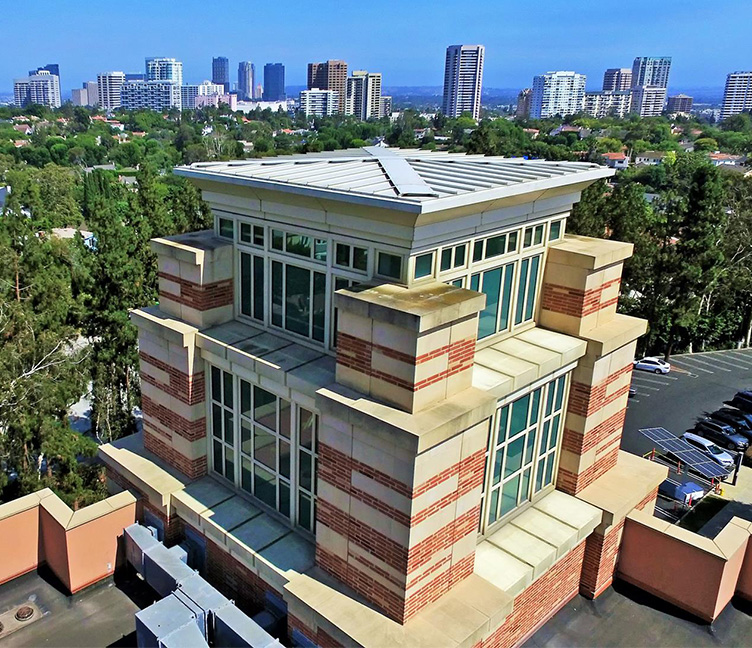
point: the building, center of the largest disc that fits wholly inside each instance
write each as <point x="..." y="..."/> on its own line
<point x="609" y="103"/>
<point x="109" y="85"/>
<point x="274" y="82"/>
<point x="151" y="95"/>
<point x="617" y="79"/>
<point x="92" y="92"/>
<point x="737" y="95"/>
<point x="330" y="75"/>
<point x="523" y="103"/>
<point x="651" y="71"/>
<point x="42" y="88"/>
<point x="386" y="392"/>
<point x="246" y="76"/>
<point x="221" y="72"/>
<point x="79" y="97"/>
<point x="463" y="80"/>
<point x="649" y="158"/>
<point x="164" y="69"/>
<point x="189" y="93"/>
<point x="215" y="100"/>
<point x="135" y="76"/>
<point x="52" y="68"/>
<point x="319" y="103"/>
<point x="617" y="161"/>
<point x="648" y="101"/>
<point x="557" y="93"/>
<point x="386" y="105"/>
<point x="726" y="159"/>
<point x="680" y="104"/>
<point x="364" y="95"/>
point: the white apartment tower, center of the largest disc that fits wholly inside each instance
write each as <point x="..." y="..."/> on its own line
<point x="608" y="103"/>
<point x="737" y="96"/>
<point x="463" y="80"/>
<point x="109" y="85"/>
<point x="164" y="69"/>
<point x="557" y="93"/>
<point x="648" y="101"/>
<point x="617" y="79"/>
<point x="649" y="83"/>
<point x="319" y="103"/>
<point x="364" y="95"/>
<point x="41" y="88"/>
<point x="153" y="95"/>
<point x="191" y="91"/>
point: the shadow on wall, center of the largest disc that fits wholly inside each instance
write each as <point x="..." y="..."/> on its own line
<point x="79" y="547"/>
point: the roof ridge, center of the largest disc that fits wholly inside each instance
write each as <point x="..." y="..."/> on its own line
<point x="405" y="180"/>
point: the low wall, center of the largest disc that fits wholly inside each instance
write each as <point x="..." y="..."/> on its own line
<point x="80" y="547"/>
<point x="693" y="572"/>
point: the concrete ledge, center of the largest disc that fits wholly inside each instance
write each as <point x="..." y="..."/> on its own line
<point x="190" y="247"/>
<point x="612" y="335"/>
<point x="588" y="253"/>
<point x="25" y="503"/>
<point x="165" y="326"/>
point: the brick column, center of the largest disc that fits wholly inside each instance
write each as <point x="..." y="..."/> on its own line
<point x="579" y="297"/>
<point x="402" y="442"/>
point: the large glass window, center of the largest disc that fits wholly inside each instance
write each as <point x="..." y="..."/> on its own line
<point x="523" y="444"/>
<point x="527" y="289"/>
<point x="497" y="285"/>
<point x="273" y="443"/>
<point x="252" y="286"/>
<point x="298" y="300"/>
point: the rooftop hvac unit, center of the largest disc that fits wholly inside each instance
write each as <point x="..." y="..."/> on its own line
<point x="189" y="636"/>
<point x="203" y="600"/>
<point x="233" y="628"/>
<point x="179" y="552"/>
<point x="160" y="620"/>
<point x="163" y="570"/>
<point x="137" y="540"/>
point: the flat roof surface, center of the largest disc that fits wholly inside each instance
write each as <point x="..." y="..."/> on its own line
<point x="410" y="179"/>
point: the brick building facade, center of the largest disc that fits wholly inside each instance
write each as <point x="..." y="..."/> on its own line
<point x="386" y="393"/>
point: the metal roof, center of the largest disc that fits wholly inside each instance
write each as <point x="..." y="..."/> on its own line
<point x="405" y="179"/>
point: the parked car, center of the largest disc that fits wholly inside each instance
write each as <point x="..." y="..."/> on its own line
<point x="741" y="422"/>
<point x="722" y="434"/>
<point x="632" y="392"/>
<point x="709" y="448"/>
<point x="742" y="400"/>
<point x="656" y="365"/>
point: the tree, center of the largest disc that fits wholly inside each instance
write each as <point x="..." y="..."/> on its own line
<point x="588" y="217"/>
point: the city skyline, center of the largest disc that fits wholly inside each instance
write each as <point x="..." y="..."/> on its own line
<point x="162" y="32"/>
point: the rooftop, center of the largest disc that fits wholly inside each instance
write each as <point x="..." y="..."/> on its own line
<point x="406" y="179"/>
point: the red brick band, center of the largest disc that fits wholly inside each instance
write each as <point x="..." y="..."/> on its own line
<point x="190" y="430"/>
<point x="579" y="443"/>
<point x="189" y="389"/>
<point x="572" y="483"/>
<point x="576" y="302"/>
<point x="192" y="468"/>
<point x="201" y="297"/>
<point x="586" y="399"/>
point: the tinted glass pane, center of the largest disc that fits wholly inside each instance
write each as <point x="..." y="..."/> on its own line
<point x="509" y="495"/>
<point x="245" y="233"/>
<point x="478" y="251"/>
<point x="319" y="250"/>
<point x="506" y="296"/>
<point x="245" y="437"/>
<point x="218" y="459"/>
<point x="554" y="432"/>
<point x="459" y="255"/>
<point x="298" y="244"/>
<point x="284" y="499"/>
<point x="423" y="265"/>
<point x="342" y="254"/>
<point x="519" y="415"/>
<point x="297" y="299"/>
<point x="532" y="281"/>
<point x="259" y="289"/>
<point x="446" y="259"/>
<point x="284" y="459"/>
<point x="276" y="293"/>
<point x="550" y="398"/>
<point x="360" y="259"/>
<point x="514" y="456"/>
<point x="549" y="471"/>
<point x="319" y="305"/>
<point x="226" y="228"/>
<point x="525" y="491"/>
<point x="246" y="285"/>
<point x="390" y="265"/>
<point x="503" y="416"/>
<point x="216" y="420"/>
<point x="491" y="287"/>
<point x="512" y="242"/>
<point x="278" y="240"/>
<point x="457" y="282"/>
<point x="229" y="464"/>
<point x="306" y="425"/>
<point x="544" y="438"/>
<point x="538" y="237"/>
<point x="528" y="240"/>
<point x="265" y="486"/>
<point x="529" y="446"/>
<point x="265" y="408"/>
<point x="521" y="291"/>
<point x="265" y="447"/>
<point x="258" y="235"/>
<point x="305" y="470"/>
<point x="227" y="388"/>
<point x="245" y="398"/>
<point x="495" y="246"/>
<point x="493" y="506"/>
<point x="304" y="512"/>
<point x="555" y="231"/>
<point x="246" y="475"/>
<point x="559" y="392"/>
<point x="216" y="384"/>
<point x="536" y="405"/>
<point x="284" y="417"/>
<point x="229" y="429"/>
<point x="475" y="282"/>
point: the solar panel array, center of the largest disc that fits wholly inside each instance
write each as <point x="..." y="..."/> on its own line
<point x="690" y="456"/>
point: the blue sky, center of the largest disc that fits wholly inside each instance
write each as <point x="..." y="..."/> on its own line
<point x="404" y="40"/>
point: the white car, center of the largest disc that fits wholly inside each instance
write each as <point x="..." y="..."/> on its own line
<point x="706" y="446"/>
<point x="656" y="365"/>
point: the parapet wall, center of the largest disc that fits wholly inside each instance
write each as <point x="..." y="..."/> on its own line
<point x="80" y="547"/>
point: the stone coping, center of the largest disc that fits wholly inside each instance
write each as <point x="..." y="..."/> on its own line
<point x="588" y="253"/>
<point x="259" y="355"/>
<point x="724" y="546"/>
<point x="417" y="308"/>
<point x="526" y="547"/>
<point x="515" y="362"/>
<point x="614" y="334"/>
<point x="66" y="517"/>
<point x="623" y="487"/>
<point x="191" y="247"/>
<point x="156" y="321"/>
